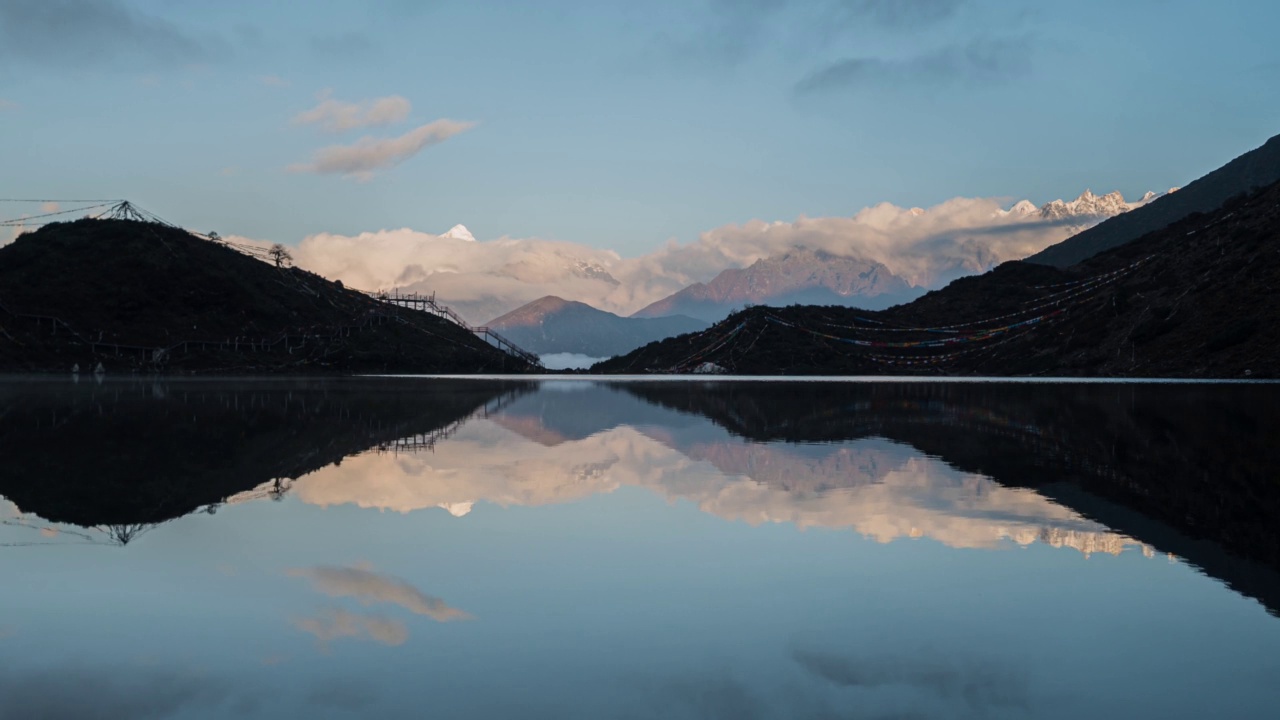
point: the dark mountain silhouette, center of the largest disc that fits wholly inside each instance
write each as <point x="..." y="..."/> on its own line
<point x="1187" y="469"/>
<point x="132" y="452"/>
<point x="141" y="296"/>
<point x="1255" y="169"/>
<point x="801" y="276"/>
<point x="1196" y="299"/>
<point x="556" y="325"/>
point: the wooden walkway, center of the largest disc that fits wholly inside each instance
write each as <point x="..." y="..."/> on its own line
<point x="428" y="303"/>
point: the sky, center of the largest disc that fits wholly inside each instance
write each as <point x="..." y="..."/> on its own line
<point x="614" y="124"/>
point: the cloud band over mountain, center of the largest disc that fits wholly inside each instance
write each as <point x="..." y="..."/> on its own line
<point x="925" y="247"/>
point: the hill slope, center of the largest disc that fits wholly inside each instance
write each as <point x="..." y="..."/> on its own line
<point x="1196" y="299"/>
<point x="800" y="276"/>
<point x="1255" y="169"/>
<point x="140" y="296"/>
<point x="556" y="325"/>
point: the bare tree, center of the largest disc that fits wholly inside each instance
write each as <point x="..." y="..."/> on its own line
<point x="280" y="255"/>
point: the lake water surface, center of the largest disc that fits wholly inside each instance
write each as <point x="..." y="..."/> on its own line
<point x="463" y="548"/>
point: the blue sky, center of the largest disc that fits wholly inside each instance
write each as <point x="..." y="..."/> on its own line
<point x="620" y="125"/>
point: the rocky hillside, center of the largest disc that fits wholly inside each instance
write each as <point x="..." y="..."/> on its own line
<point x="1255" y="169"/>
<point x="556" y="325"/>
<point x="147" y="297"/>
<point x="801" y="276"/>
<point x="1196" y="299"/>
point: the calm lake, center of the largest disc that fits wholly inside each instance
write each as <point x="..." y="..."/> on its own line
<point x="465" y="548"/>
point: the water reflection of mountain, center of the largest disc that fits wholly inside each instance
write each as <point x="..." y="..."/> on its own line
<point x="571" y="441"/>
<point x="1189" y="469"/>
<point x="128" y="454"/>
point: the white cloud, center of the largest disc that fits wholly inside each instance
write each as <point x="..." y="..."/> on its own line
<point x="483" y="280"/>
<point x="368" y="154"/>
<point x="7" y="105"/>
<point x="336" y="116"/>
<point x="273" y="81"/>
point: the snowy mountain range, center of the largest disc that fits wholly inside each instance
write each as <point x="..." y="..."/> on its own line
<point x="878" y="256"/>
<point x="801" y="276"/>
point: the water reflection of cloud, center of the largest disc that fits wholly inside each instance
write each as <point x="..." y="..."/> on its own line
<point x="334" y="624"/>
<point x="878" y="488"/>
<point x="371" y="588"/>
<point x="979" y="685"/>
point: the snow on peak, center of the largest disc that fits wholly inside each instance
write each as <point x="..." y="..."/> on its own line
<point x="460" y="232"/>
<point x="1022" y="207"/>
<point x="1087" y="205"/>
<point x="458" y="509"/>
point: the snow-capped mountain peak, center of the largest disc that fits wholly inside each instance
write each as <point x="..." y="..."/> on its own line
<point x="1087" y="205"/>
<point x="1023" y="207"/>
<point x="459" y="232"/>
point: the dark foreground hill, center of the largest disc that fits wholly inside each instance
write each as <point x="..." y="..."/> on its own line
<point x="556" y="325"/>
<point x="1255" y="169"/>
<point x="1196" y="299"/>
<point x="138" y="296"/>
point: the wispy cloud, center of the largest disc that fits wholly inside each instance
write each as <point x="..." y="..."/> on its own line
<point x="367" y="155"/>
<point x="7" y="105"/>
<point x="983" y="61"/>
<point x="336" y="116"/>
<point x="371" y="588"/>
<point x="273" y="81"/>
<point x="94" y="33"/>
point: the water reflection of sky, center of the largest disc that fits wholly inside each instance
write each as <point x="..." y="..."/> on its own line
<point x="598" y="567"/>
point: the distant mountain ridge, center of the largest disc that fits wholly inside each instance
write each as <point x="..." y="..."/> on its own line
<point x="1195" y="299"/>
<point x="554" y="325"/>
<point x="801" y="276"/>
<point x="1255" y="169"/>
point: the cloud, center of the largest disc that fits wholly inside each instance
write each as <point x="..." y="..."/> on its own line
<point x="369" y="154"/>
<point x="371" y="588"/>
<point x="8" y="105"/>
<point x="334" y="624"/>
<point x="273" y="81"/>
<point x="482" y="280"/>
<point x="110" y="693"/>
<point x="979" y="61"/>
<point x="91" y="33"/>
<point x="336" y="116"/>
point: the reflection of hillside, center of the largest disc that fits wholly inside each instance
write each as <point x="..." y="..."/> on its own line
<point x="131" y="452"/>
<point x="1187" y="468"/>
